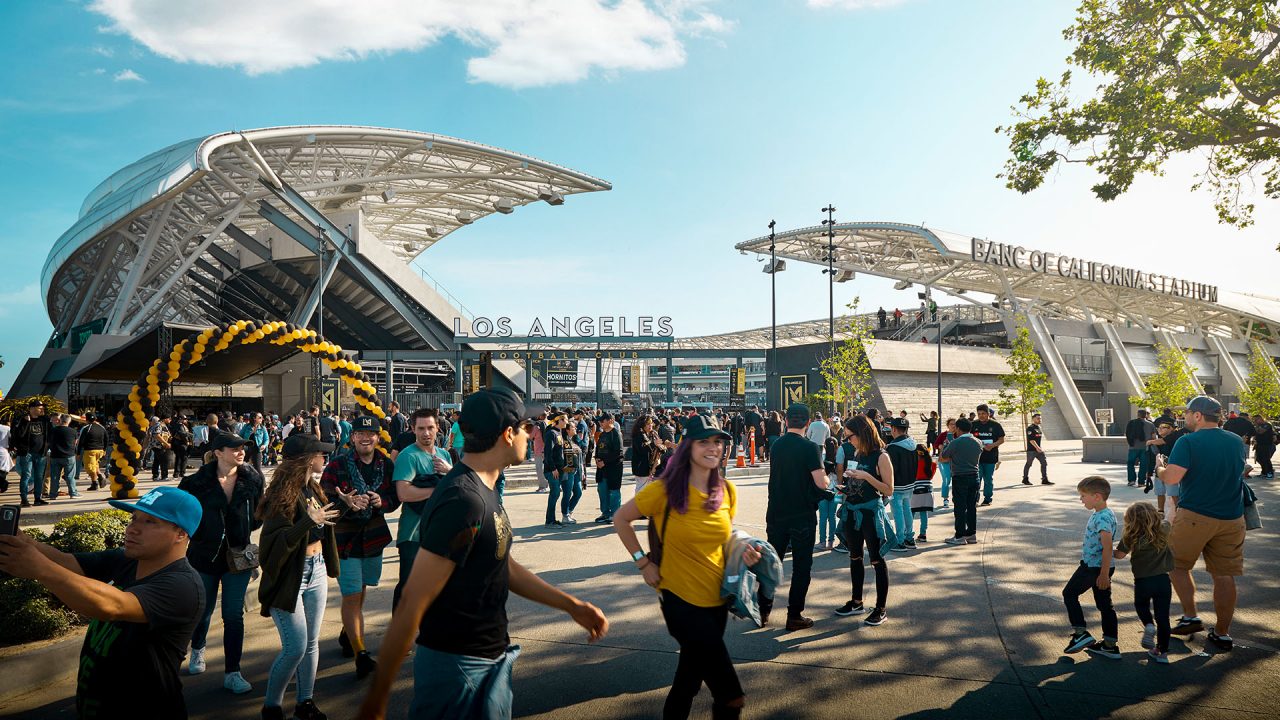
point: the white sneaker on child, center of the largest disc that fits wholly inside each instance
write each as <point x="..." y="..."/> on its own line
<point x="1149" y="636"/>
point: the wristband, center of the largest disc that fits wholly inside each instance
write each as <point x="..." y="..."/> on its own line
<point x="637" y="556"/>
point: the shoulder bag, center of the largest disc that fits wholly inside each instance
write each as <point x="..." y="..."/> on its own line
<point x="656" y="539"/>
<point x="243" y="558"/>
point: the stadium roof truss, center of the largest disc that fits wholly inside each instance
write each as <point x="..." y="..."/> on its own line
<point x="158" y="240"/>
<point x="945" y="261"/>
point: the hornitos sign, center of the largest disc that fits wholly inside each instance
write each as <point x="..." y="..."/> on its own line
<point x="571" y="327"/>
<point x="1016" y="256"/>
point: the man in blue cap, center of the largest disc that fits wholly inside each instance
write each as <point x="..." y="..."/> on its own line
<point x="143" y="601"/>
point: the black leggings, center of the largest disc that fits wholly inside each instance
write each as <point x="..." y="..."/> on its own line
<point x="857" y="573"/>
<point x="1154" y="592"/>
<point x="703" y="655"/>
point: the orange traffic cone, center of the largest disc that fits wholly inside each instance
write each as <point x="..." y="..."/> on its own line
<point x="753" y="447"/>
<point x="742" y="461"/>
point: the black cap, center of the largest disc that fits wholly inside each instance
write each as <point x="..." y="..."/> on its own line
<point x="365" y="423"/>
<point x="798" y="411"/>
<point x="900" y="422"/>
<point x="226" y="440"/>
<point x="488" y="412"/>
<point x="697" y="427"/>
<point x="300" y="444"/>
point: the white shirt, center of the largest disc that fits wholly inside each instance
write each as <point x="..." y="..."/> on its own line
<point x="818" y="432"/>
<point x="6" y="462"/>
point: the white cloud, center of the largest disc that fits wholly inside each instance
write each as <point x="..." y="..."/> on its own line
<point x="103" y="51"/>
<point x="853" y="4"/>
<point x="522" y="43"/>
<point x="27" y="296"/>
<point x="127" y="75"/>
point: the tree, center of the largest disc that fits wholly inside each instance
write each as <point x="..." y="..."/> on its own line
<point x="847" y="370"/>
<point x="1263" y="393"/>
<point x="1171" y="385"/>
<point x="1026" y="387"/>
<point x="12" y="407"/>
<point x="1175" y="76"/>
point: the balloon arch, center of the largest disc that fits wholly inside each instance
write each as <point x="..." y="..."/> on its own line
<point x="133" y="420"/>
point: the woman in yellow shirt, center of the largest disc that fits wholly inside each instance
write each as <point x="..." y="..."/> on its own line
<point x="702" y="504"/>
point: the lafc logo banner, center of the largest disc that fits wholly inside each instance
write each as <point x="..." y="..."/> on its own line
<point x="794" y="389"/>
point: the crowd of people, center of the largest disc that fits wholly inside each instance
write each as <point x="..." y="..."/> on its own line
<point x="859" y="484"/>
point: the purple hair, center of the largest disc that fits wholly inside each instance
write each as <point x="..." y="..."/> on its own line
<point x="675" y="476"/>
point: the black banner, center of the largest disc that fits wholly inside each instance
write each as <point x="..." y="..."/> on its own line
<point x="562" y="373"/>
<point x="794" y="389"/>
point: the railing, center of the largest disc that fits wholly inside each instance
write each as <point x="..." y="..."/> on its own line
<point x="1093" y="364"/>
<point x="428" y="278"/>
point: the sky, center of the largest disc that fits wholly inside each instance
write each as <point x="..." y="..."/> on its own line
<point x="710" y="118"/>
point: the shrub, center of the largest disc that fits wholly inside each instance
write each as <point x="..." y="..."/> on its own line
<point x="29" y="611"/>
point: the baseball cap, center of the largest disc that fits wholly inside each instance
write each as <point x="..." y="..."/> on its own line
<point x="798" y="411"/>
<point x="900" y="422"/>
<point x="299" y="444"/>
<point x="366" y="423"/>
<point x="698" y="427"/>
<point x="488" y="412"/>
<point x="226" y="440"/>
<point x="1204" y="405"/>
<point x="167" y="503"/>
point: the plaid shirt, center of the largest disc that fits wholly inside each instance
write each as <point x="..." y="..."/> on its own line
<point x="360" y="534"/>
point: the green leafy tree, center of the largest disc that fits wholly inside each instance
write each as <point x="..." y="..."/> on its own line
<point x="1174" y="76"/>
<point x="1026" y="387"/>
<point x="12" y="407"/>
<point x="1263" y="393"/>
<point x="1170" y="386"/>
<point x="847" y="370"/>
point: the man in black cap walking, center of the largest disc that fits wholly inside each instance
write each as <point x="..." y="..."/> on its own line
<point x="796" y="480"/>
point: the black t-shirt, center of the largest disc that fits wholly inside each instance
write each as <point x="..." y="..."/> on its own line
<point x="792" y="460"/>
<point x="464" y="522"/>
<point x="37" y="440"/>
<point x="1240" y="426"/>
<point x="752" y="420"/>
<point x="858" y="492"/>
<point x="93" y="437"/>
<point x="1264" y="435"/>
<point x="772" y="428"/>
<point x="131" y="669"/>
<point x="988" y="432"/>
<point x="398" y="423"/>
<point x="62" y="442"/>
<point x="404" y="440"/>
<point x="329" y="429"/>
<point x="1167" y="448"/>
<point x="1034" y="435"/>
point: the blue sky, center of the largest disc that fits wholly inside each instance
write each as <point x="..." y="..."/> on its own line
<point x="709" y="118"/>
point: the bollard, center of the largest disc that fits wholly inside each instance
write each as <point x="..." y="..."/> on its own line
<point x="752" y="451"/>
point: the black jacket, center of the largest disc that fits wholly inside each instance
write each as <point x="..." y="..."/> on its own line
<point x="223" y="524"/>
<point x="609" y="446"/>
<point x="19" y="436"/>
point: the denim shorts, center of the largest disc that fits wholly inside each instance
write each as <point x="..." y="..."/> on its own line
<point x="356" y="574"/>
<point x="1170" y="490"/>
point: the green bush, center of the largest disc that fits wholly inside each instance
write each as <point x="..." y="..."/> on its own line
<point x="29" y="611"/>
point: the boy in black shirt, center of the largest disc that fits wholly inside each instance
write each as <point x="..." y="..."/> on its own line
<point x="457" y="592"/>
<point x="796" y="479"/>
<point x="144" y="601"/>
<point x="1035" y="451"/>
<point x="991" y="434"/>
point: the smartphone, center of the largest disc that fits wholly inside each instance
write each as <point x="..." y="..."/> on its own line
<point x="9" y="515"/>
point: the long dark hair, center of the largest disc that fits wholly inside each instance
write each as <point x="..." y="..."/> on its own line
<point x="862" y="428"/>
<point x="676" y="479"/>
<point x="282" y="495"/>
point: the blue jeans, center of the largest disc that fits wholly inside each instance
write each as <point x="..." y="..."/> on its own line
<point x="902" y="517"/>
<point x="448" y="686"/>
<point x="234" y="587"/>
<point x="300" y="635"/>
<point x="1144" y="465"/>
<point x="945" y="470"/>
<point x="826" y="521"/>
<point x="572" y="491"/>
<point x="556" y="486"/>
<point x="31" y="467"/>
<point x="60" y="468"/>
<point x="610" y="500"/>
<point x="988" y="473"/>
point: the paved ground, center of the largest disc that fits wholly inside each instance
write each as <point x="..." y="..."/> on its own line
<point x="972" y="632"/>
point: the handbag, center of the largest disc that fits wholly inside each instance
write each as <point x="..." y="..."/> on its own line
<point x="1252" y="519"/>
<point x="243" y="558"/>
<point x="657" y="539"/>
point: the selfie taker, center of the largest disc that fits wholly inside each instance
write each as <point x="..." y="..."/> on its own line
<point x="143" y="601"/>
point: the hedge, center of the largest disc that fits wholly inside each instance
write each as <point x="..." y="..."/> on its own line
<point x="30" y="612"/>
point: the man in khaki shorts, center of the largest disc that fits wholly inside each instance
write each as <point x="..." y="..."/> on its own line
<point x="1208" y="464"/>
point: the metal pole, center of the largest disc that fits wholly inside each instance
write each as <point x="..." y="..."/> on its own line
<point x="830" y="222"/>
<point x="771" y="369"/>
<point x="929" y="294"/>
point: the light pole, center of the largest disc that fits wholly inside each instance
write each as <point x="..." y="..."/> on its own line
<point x="830" y="272"/>
<point x="772" y="369"/>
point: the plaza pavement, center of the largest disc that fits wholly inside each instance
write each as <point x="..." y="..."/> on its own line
<point x="973" y="632"/>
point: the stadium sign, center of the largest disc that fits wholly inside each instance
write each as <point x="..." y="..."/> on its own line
<point x="1019" y="258"/>
<point x="571" y="327"/>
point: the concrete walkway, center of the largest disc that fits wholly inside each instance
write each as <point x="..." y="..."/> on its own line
<point x="973" y="632"/>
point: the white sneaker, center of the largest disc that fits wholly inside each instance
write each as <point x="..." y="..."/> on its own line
<point x="568" y="520"/>
<point x="1149" y="636"/>
<point x="236" y="683"/>
<point x="195" y="664"/>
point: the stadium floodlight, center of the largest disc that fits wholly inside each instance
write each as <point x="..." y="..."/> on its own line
<point x="389" y="194"/>
<point x="902" y="285"/>
<point x="433" y="231"/>
<point x="466" y="217"/>
<point x="504" y="205"/>
<point x="845" y="275"/>
<point x="776" y="266"/>
<point x="550" y="196"/>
